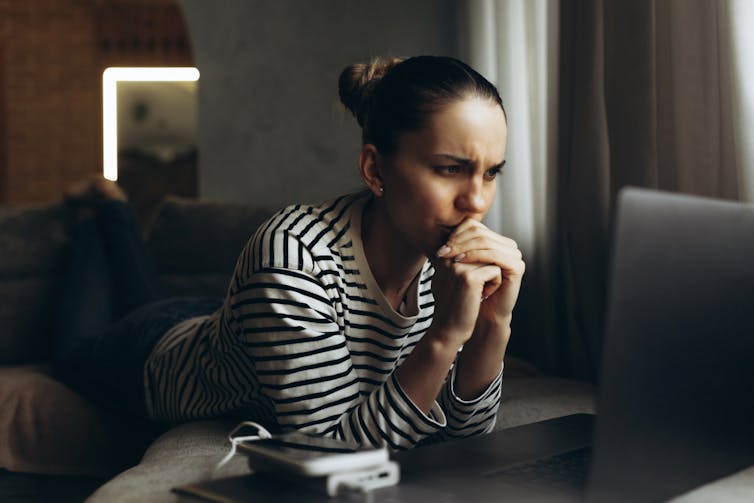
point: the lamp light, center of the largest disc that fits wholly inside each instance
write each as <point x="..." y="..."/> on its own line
<point x="110" y="78"/>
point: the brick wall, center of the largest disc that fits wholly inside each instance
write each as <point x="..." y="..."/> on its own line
<point x="51" y="64"/>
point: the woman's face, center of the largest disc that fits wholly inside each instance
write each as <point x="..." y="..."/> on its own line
<point x="446" y="173"/>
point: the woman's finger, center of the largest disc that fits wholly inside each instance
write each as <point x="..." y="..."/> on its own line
<point x="491" y="287"/>
<point x="508" y="259"/>
<point x="459" y="289"/>
<point x="477" y="243"/>
<point x="476" y="233"/>
<point x="472" y="234"/>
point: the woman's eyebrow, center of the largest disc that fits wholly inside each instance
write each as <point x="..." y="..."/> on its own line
<point x="466" y="162"/>
<point x="455" y="158"/>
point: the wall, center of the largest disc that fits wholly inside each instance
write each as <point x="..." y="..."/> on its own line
<point x="51" y="86"/>
<point x="272" y="130"/>
<point x="52" y="54"/>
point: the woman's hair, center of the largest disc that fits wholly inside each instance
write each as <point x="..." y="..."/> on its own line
<point x="390" y="96"/>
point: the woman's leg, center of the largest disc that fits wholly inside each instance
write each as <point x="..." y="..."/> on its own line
<point x="113" y="373"/>
<point x="132" y="273"/>
<point x="107" y="274"/>
<point x="110" y="315"/>
<point x="83" y="305"/>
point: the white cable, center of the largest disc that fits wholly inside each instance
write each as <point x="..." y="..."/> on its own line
<point x="234" y="440"/>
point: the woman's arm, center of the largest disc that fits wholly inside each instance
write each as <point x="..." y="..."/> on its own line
<point x="482" y="357"/>
<point x="457" y="289"/>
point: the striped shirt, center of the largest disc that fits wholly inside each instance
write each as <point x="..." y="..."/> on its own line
<point x="307" y="341"/>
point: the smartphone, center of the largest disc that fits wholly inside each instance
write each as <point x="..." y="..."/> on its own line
<point x="309" y="455"/>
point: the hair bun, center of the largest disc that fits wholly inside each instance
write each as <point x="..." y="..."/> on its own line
<point x="357" y="82"/>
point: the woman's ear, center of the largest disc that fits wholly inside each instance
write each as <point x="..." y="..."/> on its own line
<point x="369" y="167"/>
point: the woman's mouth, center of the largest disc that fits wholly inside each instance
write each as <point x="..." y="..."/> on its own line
<point x="447" y="231"/>
<point x="449" y="228"/>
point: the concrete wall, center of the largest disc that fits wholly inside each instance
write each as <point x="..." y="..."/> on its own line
<point x="271" y="127"/>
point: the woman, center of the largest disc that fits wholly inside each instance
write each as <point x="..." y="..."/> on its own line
<point x="343" y="319"/>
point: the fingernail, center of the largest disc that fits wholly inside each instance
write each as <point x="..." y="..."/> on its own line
<point x="443" y="251"/>
<point x="459" y="257"/>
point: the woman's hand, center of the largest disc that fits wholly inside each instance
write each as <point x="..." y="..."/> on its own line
<point x="458" y="289"/>
<point x="472" y="244"/>
<point x="477" y="278"/>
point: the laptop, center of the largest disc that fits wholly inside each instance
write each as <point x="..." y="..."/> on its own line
<point x="676" y="400"/>
<point x="676" y="397"/>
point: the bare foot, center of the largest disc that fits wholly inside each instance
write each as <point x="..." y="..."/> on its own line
<point x="84" y="196"/>
<point x="94" y="190"/>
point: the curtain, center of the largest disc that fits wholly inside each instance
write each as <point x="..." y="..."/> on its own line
<point x="644" y="96"/>
<point x="645" y="100"/>
<point x="527" y="80"/>
<point x="742" y="18"/>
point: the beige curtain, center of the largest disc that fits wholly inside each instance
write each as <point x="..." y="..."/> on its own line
<point x="645" y="99"/>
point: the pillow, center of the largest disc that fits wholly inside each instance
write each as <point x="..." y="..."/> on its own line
<point x="32" y="243"/>
<point x="47" y="428"/>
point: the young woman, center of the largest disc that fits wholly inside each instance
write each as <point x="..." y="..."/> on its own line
<point x="345" y="319"/>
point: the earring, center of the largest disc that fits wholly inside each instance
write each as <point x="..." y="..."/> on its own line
<point x="382" y="189"/>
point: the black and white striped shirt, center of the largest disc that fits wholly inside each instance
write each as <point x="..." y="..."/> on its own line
<point x="306" y="340"/>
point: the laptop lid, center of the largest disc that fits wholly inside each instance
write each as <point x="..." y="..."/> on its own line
<point x="676" y="397"/>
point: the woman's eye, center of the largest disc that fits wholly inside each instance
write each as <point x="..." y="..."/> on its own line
<point x="492" y="173"/>
<point x="451" y="170"/>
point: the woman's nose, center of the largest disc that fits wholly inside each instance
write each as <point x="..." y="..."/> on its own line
<point x="471" y="199"/>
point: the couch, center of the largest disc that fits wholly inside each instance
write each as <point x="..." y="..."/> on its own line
<point x="49" y="430"/>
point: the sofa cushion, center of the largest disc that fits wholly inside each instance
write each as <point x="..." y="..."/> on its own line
<point x="178" y="238"/>
<point x="187" y="453"/>
<point x="47" y="428"/>
<point x="530" y="399"/>
<point x="32" y="246"/>
<point x="33" y="238"/>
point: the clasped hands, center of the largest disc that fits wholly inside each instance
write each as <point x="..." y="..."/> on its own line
<point x="477" y="280"/>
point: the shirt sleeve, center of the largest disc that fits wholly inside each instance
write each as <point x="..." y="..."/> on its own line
<point x="297" y="352"/>
<point x="467" y="418"/>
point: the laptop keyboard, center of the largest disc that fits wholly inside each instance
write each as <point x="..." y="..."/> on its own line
<point x="567" y="471"/>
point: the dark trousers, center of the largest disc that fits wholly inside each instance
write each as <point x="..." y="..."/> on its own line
<point x="110" y="312"/>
